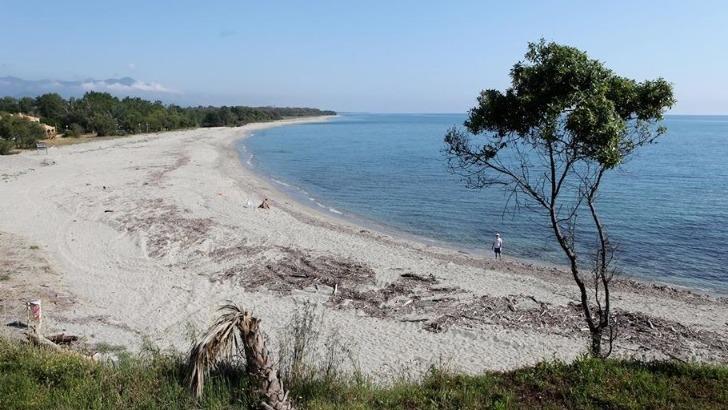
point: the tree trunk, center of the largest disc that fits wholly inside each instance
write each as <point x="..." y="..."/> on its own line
<point x="596" y="342"/>
<point x="261" y="367"/>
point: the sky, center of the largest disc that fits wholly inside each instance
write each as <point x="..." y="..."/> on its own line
<point x="373" y="56"/>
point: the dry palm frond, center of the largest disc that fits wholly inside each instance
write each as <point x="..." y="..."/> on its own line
<point x="236" y="327"/>
<point x="221" y="342"/>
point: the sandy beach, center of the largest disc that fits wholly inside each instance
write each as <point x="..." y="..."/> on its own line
<point x="143" y="238"/>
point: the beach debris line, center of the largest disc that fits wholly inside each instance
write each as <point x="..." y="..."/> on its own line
<point x="166" y="227"/>
<point x="237" y="328"/>
<point x="421" y="298"/>
<point x="296" y="270"/>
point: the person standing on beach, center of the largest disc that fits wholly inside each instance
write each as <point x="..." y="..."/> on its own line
<point x="497" y="245"/>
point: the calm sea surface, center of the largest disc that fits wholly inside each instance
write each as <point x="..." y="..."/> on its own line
<point x="667" y="208"/>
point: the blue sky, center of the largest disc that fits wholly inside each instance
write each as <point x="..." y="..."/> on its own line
<point x="377" y="56"/>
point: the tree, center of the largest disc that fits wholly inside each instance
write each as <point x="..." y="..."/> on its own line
<point x="26" y="105"/>
<point x="237" y="334"/>
<point x="108" y="115"/>
<point x="9" y="104"/>
<point x="23" y="133"/>
<point x="549" y="140"/>
<point x="52" y="108"/>
<point x="103" y="124"/>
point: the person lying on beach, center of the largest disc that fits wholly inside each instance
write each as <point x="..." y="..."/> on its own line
<point x="265" y="204"/>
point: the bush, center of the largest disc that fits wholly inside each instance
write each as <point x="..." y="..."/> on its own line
<point x="6" y="147"/>
<point x="32" y="377"/>
<point x="25" y="133"/>
<point x="74" y="131"/>
<point x="37" y="378"/>
<point x="104" y="125"/>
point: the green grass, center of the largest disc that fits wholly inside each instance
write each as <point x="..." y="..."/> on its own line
<point x="4" y="277"/>
<point x="35" y="378"/>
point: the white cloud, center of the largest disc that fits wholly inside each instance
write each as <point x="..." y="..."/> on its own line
<point x="126" y="87"/>
<point x="132" y="66"/>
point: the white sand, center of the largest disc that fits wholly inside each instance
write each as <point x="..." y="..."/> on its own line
<point x="144" y="269"/>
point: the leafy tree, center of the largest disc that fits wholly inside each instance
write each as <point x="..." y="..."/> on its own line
<point x="26" y="105"/>
<point x="74" y="131"/>
<point x="549" y="140"/>
<point x="9" y="104"/>
<point x="6" y="147"/>
<point x="109" y="115"/>
<point x="19" y="131"/>
<point x="52" y="108"/>
<point x="103" y="124"/>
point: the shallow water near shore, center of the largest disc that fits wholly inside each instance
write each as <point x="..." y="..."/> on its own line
<point x="667" y="208"/>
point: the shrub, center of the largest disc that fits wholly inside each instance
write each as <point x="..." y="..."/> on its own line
<point x="6" y="147"/>
<point x="104" y="124"/>
<point x="24" y="132"/>
<point x="73" y="131"/>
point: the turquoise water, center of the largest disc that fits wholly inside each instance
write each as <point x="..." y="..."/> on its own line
<point x="667" y="208"/>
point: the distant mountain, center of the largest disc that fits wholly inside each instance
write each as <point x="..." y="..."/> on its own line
<point x="126" y="86"/>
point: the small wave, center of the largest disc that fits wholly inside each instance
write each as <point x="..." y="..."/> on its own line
<point x="281" y="183"/>
<point x="249" y="161"/>
<point x="311" y="198"/>
<point x="320" y="204"/>
<point x="335" y="211"/>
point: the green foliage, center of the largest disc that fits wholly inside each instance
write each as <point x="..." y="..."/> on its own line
<point x="559" y="94"/>
<point x="19" y="132"/>
<point x="108" y="115"/>
<point x="9" y="104"/>
<point x="103" y="124"/>
<point x="6" y="147"/>
<point x="36" y="378"/>
<point x="52" y="108"/>
<point x="74" y="131"/>
<point x="549" y="139"/>
<point x="26" y="105"/>
<point x="32" y="378"/>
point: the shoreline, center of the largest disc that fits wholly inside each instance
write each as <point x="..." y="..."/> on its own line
<point x="144" y="237"/>
<point x="296" y="194"/>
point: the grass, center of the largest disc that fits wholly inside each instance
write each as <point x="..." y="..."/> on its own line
<point x="35" y="378"/>
<point x="108" y="348"/>
<point x="4" y="277"/>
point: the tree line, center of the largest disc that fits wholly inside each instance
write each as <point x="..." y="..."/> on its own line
<point x="103" y="114"/>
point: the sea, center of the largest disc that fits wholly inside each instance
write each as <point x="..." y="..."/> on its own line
<point x="666" y="209"/>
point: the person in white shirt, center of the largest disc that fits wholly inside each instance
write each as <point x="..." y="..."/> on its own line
<point x="497" y="245"/>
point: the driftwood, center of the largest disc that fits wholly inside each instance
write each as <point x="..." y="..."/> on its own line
<point x="430" y="278"/>
<point x="63" y="339"/>
<point x="237" y="327"/>
<point x="424" y="319"/>
<point x="41" y="341"/>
